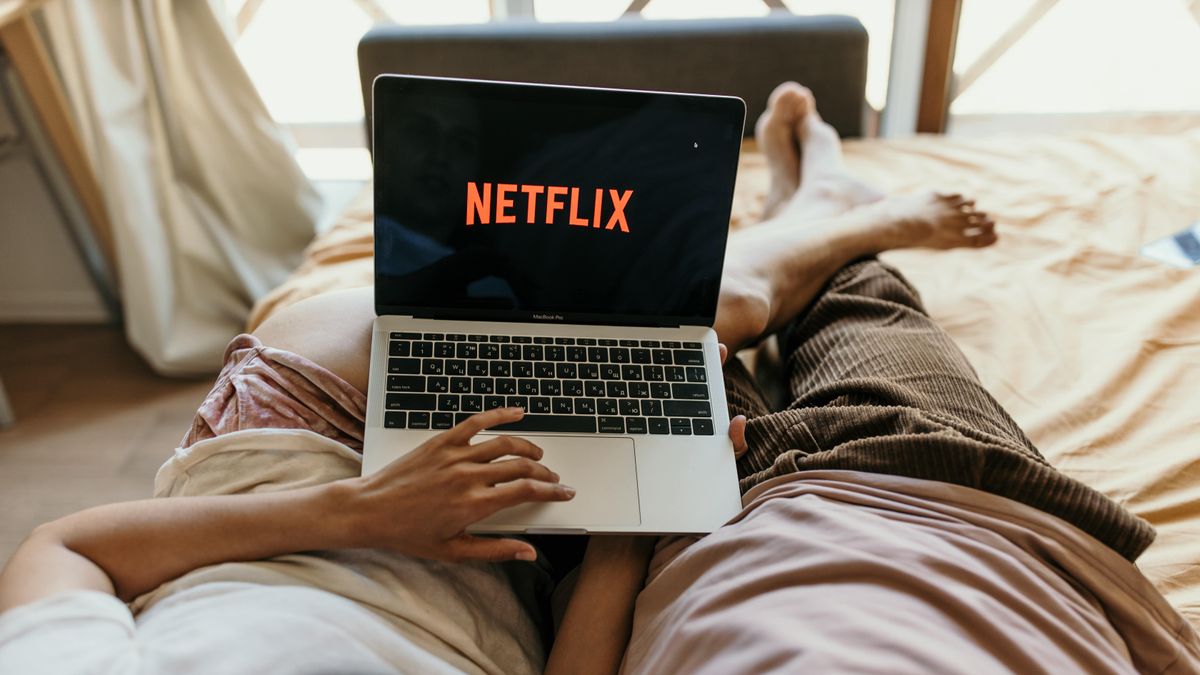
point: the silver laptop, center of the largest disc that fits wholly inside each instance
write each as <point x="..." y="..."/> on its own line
<point x="558" y="249"/>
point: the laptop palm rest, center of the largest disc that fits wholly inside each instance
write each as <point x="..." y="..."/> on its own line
<point x="603" y="472"/>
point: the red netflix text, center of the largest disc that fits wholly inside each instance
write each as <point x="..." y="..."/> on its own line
<point x="540" y="203"/>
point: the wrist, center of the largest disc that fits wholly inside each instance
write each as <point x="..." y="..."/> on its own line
<point x="339" y="507"/>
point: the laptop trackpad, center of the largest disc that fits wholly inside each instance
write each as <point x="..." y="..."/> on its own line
<point x="604" y="475"/>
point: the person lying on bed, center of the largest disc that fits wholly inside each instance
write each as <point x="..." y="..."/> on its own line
<point x="896" y="518"/>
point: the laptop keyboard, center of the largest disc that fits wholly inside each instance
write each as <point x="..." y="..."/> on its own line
<point x="575" y="385"/>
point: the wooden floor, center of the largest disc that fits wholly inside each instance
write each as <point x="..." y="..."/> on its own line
<point x="93" y="423"/>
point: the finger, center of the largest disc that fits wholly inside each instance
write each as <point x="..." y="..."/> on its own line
<point x="724" y="351"/>
<point x="500" y="446"/>
<point x="737" y="434"/>
<point x="526" y="490"/>
<point x="513" y="469"/>
<point x="465" y="547"/>
<point x="465" y="430"/>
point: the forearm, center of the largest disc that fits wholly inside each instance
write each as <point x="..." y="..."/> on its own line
<point x="133" y="547"/>
<point x="596" y="627"/>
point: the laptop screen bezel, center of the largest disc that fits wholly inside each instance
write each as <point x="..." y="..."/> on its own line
<point x="732" y="106"/>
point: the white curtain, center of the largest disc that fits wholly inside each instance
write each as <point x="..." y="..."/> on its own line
<point x="209" y="208"/>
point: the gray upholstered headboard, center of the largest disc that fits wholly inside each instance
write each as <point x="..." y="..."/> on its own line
<point x="742" y="57"/>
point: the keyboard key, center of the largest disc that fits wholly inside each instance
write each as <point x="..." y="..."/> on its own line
<point x="675" y="374"/>
<point x="562" y="406"/>
<point x="576" y="354"/>
<point x="543" y="370"/>
<point x="489" y="351"/>
<point x="477" y="368"/>
<point x="629" y="407"/>
<point x="532" y="352"/>
<point x="594" y="388"/>
<point x="564" y="341"/>
<point x="543" y="341"/>
<point x="597" y="354"/>
<point x="418" y="420"/>
<point x="585" y="406"/>
<point x="653" y="373"/>
<point x="455" y="337"/>
<point x="660" y="390"/>
<point x="610" y="425"/>
<point x="607" y="342"/>
<point x="422" y="349"/>
<point x="639" y="355"/>
<point x="501" y="369"/>
<point x="499" y="338"/>
<point x="460" y="385"/>
<point x="696" y="374"/>
<point x="506" y="386"/>
<point x="406" y="336"/>
<point x="442" y="420"/>
<point x="661" y="356"/>
<point x="659" y="425"/>
<point x="688" y="357"/>
<point x="521" y="402"/>
<point x="404" y="366"/>
<point x="572" y="387"/>
<point x="702" y="427"/>
<point x="589" y="371"/>
<point x="635" y="425"/>
<point x="618" y="355"/>
<point x="467" y="350"/>
<point x="456" y="367"/>
<point x="692" y="345"/>
<point x="539" y="404"/>
<point x="493" y="402"/>
<point x="522" y="369"/>
<point x="437" y="385"/>
<point x="697" y="392"/>
<point x="433" y="367"/>
<point x="629" y="373"/>
<point x="483" y="385"/>
<point x="628" y="343"/>
<point x="399" y="348"/>
<point x="649" y="343"/>
<point x="405" y="383"/>
<point x="510" y="352"/>
<point x="395" y="419"/>
<point x="687" y="408"/>
<point x="652" y="408"/>
<point x="569" y="424"/>
<point x="681" y="426"/>
<point x="565" y="371"/>
<point x="411" y="402"/>
<point x="639" y="390"/>
<point x="550" y="388"/>
<point x="477" y="338"/>
<point x="607" y="406"/>
<point x="522" y="339"/>
<point x="585" y="341"/>
<point x="527" y="387"/>
<point x="433" y="336"/>
<point x="672" y="344"/>
<point x="448" y="402"/>
<point x="610" y="371"/>
<point x="472" y="403"/>
<point x="617" y="389"/>
<point x="444" y="350"/>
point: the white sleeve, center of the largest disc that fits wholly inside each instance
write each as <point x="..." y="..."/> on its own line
<point x="72" y="632"/>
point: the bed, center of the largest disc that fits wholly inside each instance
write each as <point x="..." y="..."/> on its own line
<point x="1093" y="349"/>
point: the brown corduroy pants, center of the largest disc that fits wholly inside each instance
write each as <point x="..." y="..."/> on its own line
<point x="877" y="386"/>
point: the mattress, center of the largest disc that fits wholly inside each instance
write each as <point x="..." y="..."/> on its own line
<point x="1093" y="349"/>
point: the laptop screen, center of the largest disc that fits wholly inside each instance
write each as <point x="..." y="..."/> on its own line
<point x="511" y="202"/>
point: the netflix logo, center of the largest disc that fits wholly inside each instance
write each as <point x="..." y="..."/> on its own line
<point x="502" y="203"/>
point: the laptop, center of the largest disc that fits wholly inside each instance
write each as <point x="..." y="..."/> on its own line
<point x="559" y="249"/>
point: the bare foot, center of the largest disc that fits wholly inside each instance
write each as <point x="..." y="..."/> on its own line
<point x="775" y="132"/>
<point x="827" y="188"/>
<point x="928" y="220"/>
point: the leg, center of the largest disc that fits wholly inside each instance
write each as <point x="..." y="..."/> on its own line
<point x="332" y="330"/>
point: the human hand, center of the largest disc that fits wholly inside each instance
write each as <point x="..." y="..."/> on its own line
<point x="737" y="425"/>
<point x="422" y="503"/>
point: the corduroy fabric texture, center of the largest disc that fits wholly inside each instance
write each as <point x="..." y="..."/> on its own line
<point x="877" y="386"/>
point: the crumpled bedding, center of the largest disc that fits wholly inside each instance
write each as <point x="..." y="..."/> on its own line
<point x="1093" y="349"/>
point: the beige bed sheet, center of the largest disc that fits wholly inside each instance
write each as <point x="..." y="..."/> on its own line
<point x="1093" y="349"/>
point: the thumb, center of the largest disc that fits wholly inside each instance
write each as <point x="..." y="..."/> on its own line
<point x="737" y="434"/>
<point x="466" y="547"/>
